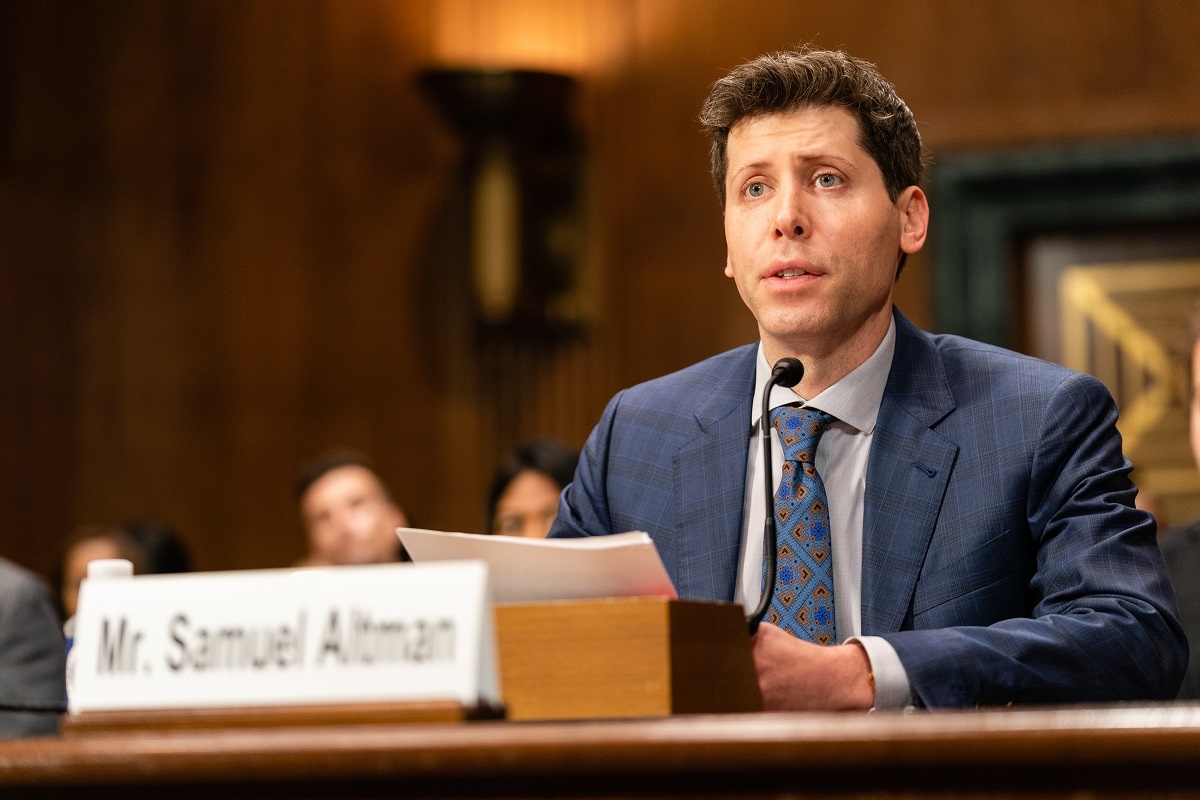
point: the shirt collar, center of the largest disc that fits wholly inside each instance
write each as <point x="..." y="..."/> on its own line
<point x="854" y="400"/>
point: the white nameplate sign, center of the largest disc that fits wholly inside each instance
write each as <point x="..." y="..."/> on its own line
<point x="386" y="633"/>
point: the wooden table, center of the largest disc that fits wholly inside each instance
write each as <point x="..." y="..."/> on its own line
<point x="1113" y="751"/>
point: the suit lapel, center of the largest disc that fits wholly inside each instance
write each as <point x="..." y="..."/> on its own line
<point x="907" y="474"/>
<point x="710" y="482"/>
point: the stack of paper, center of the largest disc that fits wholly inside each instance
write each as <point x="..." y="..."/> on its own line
<point x="532" y="570"/>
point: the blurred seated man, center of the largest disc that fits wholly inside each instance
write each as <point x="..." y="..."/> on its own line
<point x="32" y="656"/>
<point x="523" y="500"/>
<point x="1181" y="544"/>
<point x="347" y="513"/>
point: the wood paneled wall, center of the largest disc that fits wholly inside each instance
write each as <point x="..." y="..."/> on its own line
<point x="229" y="236"/>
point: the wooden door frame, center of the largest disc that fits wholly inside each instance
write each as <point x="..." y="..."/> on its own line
<point x="983" y="203"/>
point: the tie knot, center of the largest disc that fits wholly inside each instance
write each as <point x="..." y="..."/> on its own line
<point x="799" y="431"/>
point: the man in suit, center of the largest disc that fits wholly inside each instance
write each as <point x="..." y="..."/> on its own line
<point x="985" y="545"/>
<point x="33" y="690"/>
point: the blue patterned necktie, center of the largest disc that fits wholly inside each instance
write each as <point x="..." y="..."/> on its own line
<point x="803" y="601"/>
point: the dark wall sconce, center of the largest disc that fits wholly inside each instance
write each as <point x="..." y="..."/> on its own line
<point x="523" y="165"/>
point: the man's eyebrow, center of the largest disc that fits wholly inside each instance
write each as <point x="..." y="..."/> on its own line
<point x="806" y="157"/>
<point x="753" y="165"/>
<point x="823" y="157"/>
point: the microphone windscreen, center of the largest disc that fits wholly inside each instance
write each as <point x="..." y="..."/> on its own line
<point x="787" y="372"/>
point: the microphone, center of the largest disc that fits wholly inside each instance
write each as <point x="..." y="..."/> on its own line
<point x="787" y="373"/>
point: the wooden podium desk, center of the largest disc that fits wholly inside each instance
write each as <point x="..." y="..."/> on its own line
<point x="1102" y="752"/>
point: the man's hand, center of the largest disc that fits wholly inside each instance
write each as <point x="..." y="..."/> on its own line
<point x="801" y="676"/>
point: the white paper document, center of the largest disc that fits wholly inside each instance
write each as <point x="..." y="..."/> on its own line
<point x="533" y="570"/>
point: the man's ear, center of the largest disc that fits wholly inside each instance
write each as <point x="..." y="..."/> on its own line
<point x="728" y="268"/>
<point x="914" y="219"/>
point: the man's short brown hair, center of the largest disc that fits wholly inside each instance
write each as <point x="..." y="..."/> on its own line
<point x="312" y="471"/>
<point x="786" y="81"/>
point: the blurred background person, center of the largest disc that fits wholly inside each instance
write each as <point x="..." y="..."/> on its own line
<point x="523" y="500"/>
<point x="163" y="549"/>
<point x="1181" y="544"/>
<point x="88" y="543"/>
<point x="32" y="656"/>
<point x="152" y="546"/>
<point x="348" y="515"/>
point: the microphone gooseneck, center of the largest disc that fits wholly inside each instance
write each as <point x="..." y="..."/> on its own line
<point x="787" y="373"/>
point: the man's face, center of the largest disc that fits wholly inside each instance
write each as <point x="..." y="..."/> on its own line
<point x="813" y="239"/>
<point x="1195" y="426"/>
<point x="349" y="518"/>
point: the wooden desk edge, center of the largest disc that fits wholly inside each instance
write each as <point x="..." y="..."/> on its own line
<point x="1142" y="738"/>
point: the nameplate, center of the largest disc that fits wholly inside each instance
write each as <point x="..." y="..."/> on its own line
<point x="385" y="633"/>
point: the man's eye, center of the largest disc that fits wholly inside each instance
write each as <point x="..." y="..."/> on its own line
<point x="756" y="190"/>
<point x="828" y="180"/>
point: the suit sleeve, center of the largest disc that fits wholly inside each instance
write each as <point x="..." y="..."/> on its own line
<point x="32" y="658"/>
<point x="1102" y="624"/>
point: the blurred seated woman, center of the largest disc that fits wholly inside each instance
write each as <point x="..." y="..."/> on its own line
<point x="151" y="545"/>
<point x="524" y="496"/>
<point x="88" y="543"/>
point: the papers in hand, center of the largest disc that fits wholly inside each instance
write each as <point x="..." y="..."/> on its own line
<point x="533" y="570"/>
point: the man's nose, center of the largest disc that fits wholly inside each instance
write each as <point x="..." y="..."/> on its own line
<point x="791" y="212"/>
<point x="342" y="523"/>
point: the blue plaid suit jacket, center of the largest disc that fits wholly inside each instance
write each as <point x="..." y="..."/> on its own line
<point x="1002" y="556"/>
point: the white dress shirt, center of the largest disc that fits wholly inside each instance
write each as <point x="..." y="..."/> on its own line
<point x="842" y="463"/>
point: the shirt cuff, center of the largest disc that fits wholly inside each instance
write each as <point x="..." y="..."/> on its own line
<point x="892" y="690"/>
